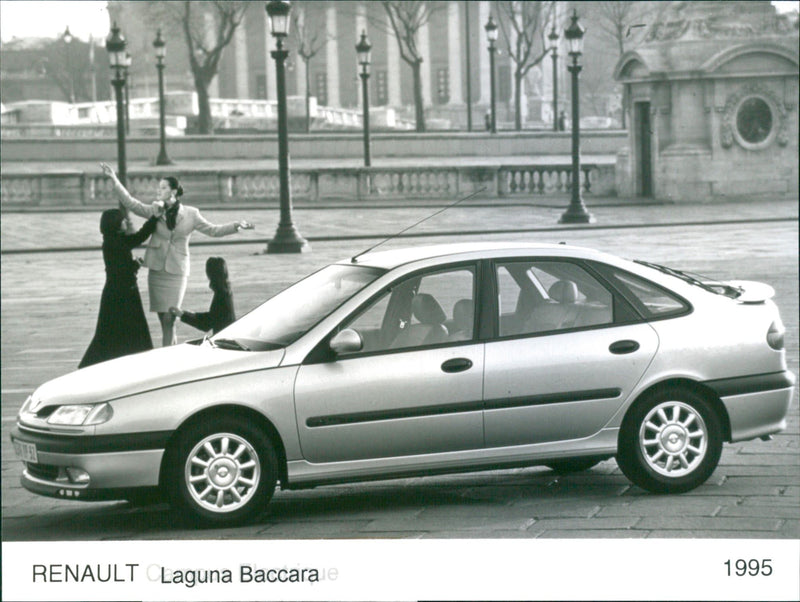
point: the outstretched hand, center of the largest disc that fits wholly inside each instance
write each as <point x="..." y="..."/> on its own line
<point x="245" y="225"/>
<point x="108" y="170"/>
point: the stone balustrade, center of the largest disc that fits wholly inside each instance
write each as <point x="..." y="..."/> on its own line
<point x="78" y="189"/>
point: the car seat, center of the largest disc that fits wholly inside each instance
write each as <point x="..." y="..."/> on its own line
<point x="430" y="328"/>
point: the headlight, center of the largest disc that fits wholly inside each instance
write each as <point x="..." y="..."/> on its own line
<point x="26" y="405"/>
<point x="81" y="415"/>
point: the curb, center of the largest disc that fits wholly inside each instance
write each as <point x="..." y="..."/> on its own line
<point x="393" y="236"/>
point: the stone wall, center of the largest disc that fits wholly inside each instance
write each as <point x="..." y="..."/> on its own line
<point x="316" y="146"/>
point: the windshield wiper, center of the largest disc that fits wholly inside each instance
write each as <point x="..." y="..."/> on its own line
<point x="686" y="277"/>
<point x="230" y="344"/>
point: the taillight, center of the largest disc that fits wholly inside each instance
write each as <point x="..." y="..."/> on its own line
<point x="775" y="335"/>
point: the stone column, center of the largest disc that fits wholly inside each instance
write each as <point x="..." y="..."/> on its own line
<point x="523" y="96"/>
<point x="483" y="55"/>
<point x="425" y="70"/>
<point x="355" y="69"/>
<point x="299" y="67"/>
<point x="208" y="22"/>
<point x="393" y="63"/>
<point x="454" y="52"/>
<point x="269" y="46"/>
<point x="240" y="53"/>
<point x="332" y="56"/>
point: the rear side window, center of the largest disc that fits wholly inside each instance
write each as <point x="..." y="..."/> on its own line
<point x="650" y="299"/>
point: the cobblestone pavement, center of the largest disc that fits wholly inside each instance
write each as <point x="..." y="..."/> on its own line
<point x="49" y="304"/>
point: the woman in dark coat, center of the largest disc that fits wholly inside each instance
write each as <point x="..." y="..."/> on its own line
<point x="221" y="312"/>
<point x="121" y="325"/>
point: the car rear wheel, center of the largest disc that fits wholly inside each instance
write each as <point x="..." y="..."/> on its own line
<point x="223" y="472"/>
<point x="670" y="442"/>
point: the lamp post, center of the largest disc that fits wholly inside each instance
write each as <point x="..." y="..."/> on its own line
<point x="161" y="51"/>
<point x="287" y="239"/>
<point x="363" y="49"/>
<point x="115" y="45"/>
<point x="553" y="37"/>
<point x="491" y="35"/>
<point x="128" y="63"/>
<point x="68" y="37"/>
<point x="576" y="212"/>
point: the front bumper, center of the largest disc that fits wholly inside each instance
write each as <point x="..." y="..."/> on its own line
<point x="112" y="467"/>
<point x="757" y="405"/>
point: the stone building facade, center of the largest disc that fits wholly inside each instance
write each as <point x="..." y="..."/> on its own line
<point x="712" y="100"/>
<point x="453" y="45"/>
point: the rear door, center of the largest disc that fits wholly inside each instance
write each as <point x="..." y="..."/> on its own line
<point x="566" y="356"/>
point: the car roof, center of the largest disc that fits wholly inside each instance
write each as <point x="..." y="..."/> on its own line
<point x="472" y="250"/>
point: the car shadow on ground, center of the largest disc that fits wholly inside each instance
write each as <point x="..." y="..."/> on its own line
<point x="469" y="494"/>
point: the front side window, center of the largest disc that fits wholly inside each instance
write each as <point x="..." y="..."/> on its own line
<point x="545" y="296"/>
<point x="422" y="310"/>
<point x="291" y="313"/>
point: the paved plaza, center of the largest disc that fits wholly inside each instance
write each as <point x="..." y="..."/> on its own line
<point x="52" y="275"/>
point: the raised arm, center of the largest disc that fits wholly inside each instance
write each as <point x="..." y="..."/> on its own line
<point x="133" y="205"/>
<point x="209" y="229"/>
<point x="137" y="238"/>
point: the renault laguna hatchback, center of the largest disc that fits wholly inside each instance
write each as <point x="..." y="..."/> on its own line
<point x="422" y="361"/>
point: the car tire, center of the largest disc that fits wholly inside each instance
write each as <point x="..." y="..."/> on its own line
<point x="222" y="472"/>
<point x="670" y="441"/>
<point x="569" y="465"/>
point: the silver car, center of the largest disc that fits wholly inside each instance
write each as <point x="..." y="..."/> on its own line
<point x="422" y="361"/>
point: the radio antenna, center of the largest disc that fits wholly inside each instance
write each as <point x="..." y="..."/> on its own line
<point x="414" y="225"/>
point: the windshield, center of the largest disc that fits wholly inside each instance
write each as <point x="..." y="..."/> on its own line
<point x="291" y="313"/>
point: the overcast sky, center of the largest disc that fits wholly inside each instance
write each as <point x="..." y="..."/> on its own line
<point x="22" y="19"/>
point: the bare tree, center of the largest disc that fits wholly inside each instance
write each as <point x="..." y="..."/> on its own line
<point x="207" y="28"/>
<point x="522" y="25"/>
<point x="68" y="66"/>
<point x="310" y="39"/>
<point x="406" y="19"/>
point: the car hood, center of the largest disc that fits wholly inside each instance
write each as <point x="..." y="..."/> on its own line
<point x="150" y="370"/>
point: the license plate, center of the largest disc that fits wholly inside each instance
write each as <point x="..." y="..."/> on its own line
<point x="26" y="451"/>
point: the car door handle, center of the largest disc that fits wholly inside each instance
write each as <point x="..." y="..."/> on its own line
<point x="458" y="364"/>
<point x="622" y="347"/>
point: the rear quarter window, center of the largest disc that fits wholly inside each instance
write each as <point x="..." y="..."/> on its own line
<point x="650" y="299"/>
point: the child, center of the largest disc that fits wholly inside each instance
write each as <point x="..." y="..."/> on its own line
<point x="121" y="325"/>
<point x="221" y="312"/>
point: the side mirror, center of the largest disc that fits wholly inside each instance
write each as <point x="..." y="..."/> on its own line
<point x="346" y="341"/>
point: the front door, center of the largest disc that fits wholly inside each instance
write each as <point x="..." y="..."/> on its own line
<point x="563" y="363"/>
<point x="415" y="386"/>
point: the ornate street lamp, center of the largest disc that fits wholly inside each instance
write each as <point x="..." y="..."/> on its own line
<point x="491" y="35"/>
<point x="115" y="45"/>
<point x="576" y="212"/>
<point x="363" y="50"/>
<point x="287" y="239"/>
<point x="67" y="37"/>
<point x="553" y="39"/>
<point x="128" y="63"/>
<point x="161" y="51"/>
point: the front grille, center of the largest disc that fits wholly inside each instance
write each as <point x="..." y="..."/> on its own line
<point x="46" y="472"/>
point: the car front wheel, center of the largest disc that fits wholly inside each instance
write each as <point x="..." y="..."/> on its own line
<point x="222" y="473"/>
<point x="670" y="442"/>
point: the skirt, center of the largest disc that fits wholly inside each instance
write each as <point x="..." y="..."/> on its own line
<point x="166" y="290"/>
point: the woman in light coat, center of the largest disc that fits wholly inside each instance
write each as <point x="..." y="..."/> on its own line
<point x="167" y="255"/>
